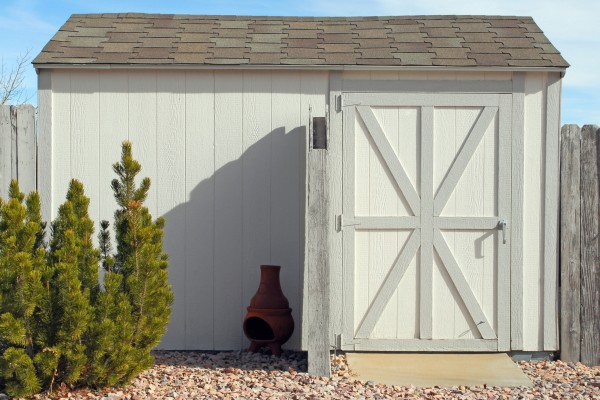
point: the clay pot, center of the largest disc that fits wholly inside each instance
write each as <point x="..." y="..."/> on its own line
<point x="269" y="293"/>
<point x="269" y="319"/>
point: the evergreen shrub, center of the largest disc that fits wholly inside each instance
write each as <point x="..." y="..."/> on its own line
<point x="58" y="324"/>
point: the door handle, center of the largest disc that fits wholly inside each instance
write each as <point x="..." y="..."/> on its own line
<point x="502" y="225"/>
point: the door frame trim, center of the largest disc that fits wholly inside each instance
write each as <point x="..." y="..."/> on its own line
<point x="426" y="102"/>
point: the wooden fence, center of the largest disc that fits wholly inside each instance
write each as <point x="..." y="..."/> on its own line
<point x="18" y="148"/>
<point x="580" y="254"/>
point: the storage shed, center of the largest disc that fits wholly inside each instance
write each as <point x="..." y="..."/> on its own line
<point x="442" y="163"/>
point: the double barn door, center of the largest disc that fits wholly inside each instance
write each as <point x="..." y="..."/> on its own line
<point x="426" y="222"/>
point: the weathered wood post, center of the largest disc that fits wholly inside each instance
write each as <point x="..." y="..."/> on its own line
<point x="590" y="255"/>
<point x="570" y="248"/>
<point x="18" y="148"/>
<point x="5" y="150"/>
<point x="317" y="251"/>
<point x="26" y="148"/>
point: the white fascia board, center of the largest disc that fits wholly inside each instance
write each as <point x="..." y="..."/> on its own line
<point x="297" y="67"/>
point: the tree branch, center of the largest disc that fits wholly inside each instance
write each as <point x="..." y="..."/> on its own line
<point x="11" y="80"/>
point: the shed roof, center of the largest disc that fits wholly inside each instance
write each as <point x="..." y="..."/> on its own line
<point x="152" y="39"/>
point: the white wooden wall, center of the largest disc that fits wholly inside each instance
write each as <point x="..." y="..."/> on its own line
<point x="226" y="155"/>
<point x="225" y="151"/>
<point x="540" y="211"/>
<point x="535" y="260"/>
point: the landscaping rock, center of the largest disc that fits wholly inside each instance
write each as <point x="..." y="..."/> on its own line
<point x="242" y="375"/>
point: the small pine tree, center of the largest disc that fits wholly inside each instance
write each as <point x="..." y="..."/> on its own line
<point x="111" y="352"/>
<point x="139" y="255"/>
<point x="21" y="291"/>
<point x="139" y="267"/>
<point x="75" y="282"/>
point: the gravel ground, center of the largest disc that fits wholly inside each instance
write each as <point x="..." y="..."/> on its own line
<point x="241" y="375"/>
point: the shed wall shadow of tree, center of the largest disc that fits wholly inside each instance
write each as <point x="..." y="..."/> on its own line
<point x="249" y="212"/>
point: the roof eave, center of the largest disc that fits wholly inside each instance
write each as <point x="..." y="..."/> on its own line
<point x="298" y="67"/>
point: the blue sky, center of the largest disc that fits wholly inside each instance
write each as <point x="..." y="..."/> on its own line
<point x="570" y="24"/>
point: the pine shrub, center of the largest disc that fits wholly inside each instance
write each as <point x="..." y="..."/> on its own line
<point x="57" y="323"/>
<point x="22" y="268"/>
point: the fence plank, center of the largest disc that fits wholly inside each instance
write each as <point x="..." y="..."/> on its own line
<point x="13" y="142"/>
<point x="5" y="151"/>
<point x="570" y="243"/>
<point x="26" y="148"/>
<point x="590" y="258"/>
<point x="17" y="148"/>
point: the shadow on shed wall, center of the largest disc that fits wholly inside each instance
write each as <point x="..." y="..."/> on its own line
<point x="249" y="212"/>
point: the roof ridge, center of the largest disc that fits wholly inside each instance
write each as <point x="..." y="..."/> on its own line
<point x="311" y="17"/>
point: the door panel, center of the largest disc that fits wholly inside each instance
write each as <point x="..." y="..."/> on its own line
<point x="426" y="265"/>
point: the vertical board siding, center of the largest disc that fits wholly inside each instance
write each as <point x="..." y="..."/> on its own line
<point x="551" y="213"/>
<point x="44" y="133"/>
<point x="226" y="155"/>
<point x="256" y="181"/>
<point x="114" y="109"/>
<point x="228" y="280"/>
<point x="199" y="209"/>
<point x="171" y="184"/>
<point x="533" y="211"/>
<point x="61" y="138"/>
<point x="383" y="245"/>
<point x="85" y="135"/>
<point x="287" y="141"/>
<point x="444" y="293"/>
<point x="409" y="151"/>
<point x="516" y="232"/>
<point x="426" y="271"/>
<point x="142" y="133"/>
<point x="470" y="190"/>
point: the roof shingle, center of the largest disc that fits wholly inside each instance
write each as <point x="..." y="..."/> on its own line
<point x="133" y="39"/>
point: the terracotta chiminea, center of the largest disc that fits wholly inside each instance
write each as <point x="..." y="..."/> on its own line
<point x="269" y="319"/>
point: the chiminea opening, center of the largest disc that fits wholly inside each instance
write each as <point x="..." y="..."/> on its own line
<point x="258" y="329"/>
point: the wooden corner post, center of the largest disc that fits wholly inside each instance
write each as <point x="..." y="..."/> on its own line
<point x="570" y="251"/>
<point x="317" y="221"/>
<point x="580" y="253"/>
<point x="590" y="253"/>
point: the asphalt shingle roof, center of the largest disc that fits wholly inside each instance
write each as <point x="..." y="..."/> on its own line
<point x="131" y="39"/>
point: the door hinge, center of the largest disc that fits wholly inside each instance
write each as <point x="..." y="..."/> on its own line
<point x="339" y="103"/>
<point x="342" y="341"/>
<point x="341" y="222"/>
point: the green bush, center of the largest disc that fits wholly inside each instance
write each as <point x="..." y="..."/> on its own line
<point x="57" y="323"/>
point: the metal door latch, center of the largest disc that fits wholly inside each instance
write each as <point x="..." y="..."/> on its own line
<point x="502" y="226"/>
